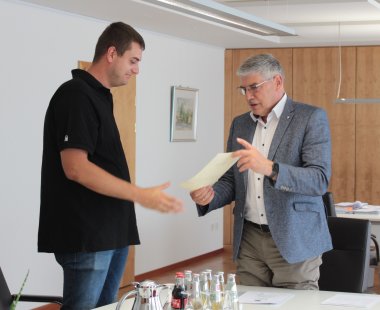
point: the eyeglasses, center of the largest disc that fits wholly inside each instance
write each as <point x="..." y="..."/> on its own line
<point x="253" y="88"/>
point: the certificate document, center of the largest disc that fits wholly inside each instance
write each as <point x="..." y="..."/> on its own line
<point x="211" y="172"/>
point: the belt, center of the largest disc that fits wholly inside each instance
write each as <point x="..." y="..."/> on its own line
<point x="263" y="228"/>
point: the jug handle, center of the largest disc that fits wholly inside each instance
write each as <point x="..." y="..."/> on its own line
<point x="167" y="286"/>
<point x="124" y="298"/>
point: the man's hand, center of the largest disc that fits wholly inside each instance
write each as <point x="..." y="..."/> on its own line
<point x="251" y="158"/>
<point x="79" y="169"/>
<point x="203" y="196"/>
<point x="155" y="198"/>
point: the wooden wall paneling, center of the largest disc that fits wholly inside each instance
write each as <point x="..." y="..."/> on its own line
<point x="315" y="81"/>
<point x="125" y="116"/>
<point x="368" y="125"/>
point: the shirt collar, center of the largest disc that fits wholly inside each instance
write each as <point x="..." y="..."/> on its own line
<point x="90" y="79"/>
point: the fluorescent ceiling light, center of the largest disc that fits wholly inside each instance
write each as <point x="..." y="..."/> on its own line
<point x="374" y="3"/>
<point x="225" y="15"/>
<point x="357" y="100"/>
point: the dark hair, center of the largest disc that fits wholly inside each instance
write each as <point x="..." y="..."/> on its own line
<point x="119" y="35"/>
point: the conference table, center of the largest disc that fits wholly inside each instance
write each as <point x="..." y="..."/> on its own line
<point x="373" y="218"/>
<point x="298" y="300"/>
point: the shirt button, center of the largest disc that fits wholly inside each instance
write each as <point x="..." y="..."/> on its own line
<point x="258" y="197"/>
<point x="258" y="179"/>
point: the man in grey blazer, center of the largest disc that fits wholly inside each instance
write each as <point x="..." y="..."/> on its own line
<point x="284" y="167"/>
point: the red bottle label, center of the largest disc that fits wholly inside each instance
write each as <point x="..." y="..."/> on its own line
<point x="176" y="303"/>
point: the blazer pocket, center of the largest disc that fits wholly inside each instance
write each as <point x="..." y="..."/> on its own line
<point x="305" y="206"/>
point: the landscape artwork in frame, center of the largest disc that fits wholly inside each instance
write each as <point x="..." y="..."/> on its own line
<point x="184" y="106"/>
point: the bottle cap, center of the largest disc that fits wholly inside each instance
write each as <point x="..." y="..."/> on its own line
<point x="179" y="275"/>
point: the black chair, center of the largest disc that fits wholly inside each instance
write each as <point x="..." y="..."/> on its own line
<point x="328" y="202"/>
<point x="6" y="298"/>
<point x="346" y="267"/>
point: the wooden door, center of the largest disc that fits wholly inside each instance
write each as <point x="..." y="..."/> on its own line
<point x="125" y="115"/>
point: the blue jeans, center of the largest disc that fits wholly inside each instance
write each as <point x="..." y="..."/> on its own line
<point x="91" y="279"/>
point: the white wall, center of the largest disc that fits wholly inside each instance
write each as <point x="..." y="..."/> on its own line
<point x="39" y="48"/>
<point x="166" y="62"/>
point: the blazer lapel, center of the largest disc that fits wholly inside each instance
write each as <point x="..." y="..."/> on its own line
<point x="247" y="133"/>
<point x="285" y="119"/>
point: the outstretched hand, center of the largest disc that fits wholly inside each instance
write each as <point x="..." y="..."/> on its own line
<point x="203" y="196"/>
<point x="251" y="158"/>
<point x="155" y="198"/>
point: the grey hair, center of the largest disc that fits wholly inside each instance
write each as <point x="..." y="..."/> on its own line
<point x="264" y="64"/>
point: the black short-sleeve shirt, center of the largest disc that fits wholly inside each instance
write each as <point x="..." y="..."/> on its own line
<point x="72" y="217"/>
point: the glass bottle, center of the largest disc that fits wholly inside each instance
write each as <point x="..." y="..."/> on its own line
<point x="204" y="288"/>
<point x="188" y="280"/>
<point x="231" y="298"/>
<point x="215" y="293"/>
<point x="209" y="276"/>
<point x="222" y="285"/>
<point x="196" y="299"/>
<point x="179" y="299"/>
<point x="221" y="280"/>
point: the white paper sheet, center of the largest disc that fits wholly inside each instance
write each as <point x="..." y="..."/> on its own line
<point x="359" y="300"/>
<point x="211" y="172"/>
<point x="265" y="298"/>
<point x="346" y="207"/>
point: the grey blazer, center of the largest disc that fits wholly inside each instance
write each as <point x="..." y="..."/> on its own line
<point x="295" y="212"/>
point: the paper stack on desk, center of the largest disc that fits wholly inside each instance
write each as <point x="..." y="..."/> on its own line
<point x="265" y="298"/>
<point x="356" y="207"/>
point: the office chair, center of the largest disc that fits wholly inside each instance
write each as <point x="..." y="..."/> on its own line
<point x="328" y="202"/>
<point x="346" y="267"/>
<point x="6" y="298"/>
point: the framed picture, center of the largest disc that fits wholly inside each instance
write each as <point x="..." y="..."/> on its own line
<point x="184" y="106"/>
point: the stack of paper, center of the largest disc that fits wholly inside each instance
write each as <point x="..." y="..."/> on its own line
<point x="265" y="298"/>
<point x="357" y="300"/>
<point x="356" y="207"/>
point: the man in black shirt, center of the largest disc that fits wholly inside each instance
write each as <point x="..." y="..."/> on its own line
<point x="87" y="216"/>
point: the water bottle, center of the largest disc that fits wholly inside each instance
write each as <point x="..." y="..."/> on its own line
<point x="231" y="298"/>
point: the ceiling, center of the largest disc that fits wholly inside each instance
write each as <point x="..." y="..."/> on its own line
<point x="316" y="22"/>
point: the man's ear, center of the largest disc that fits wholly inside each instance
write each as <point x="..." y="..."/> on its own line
<point x="111" y="54"/>
<point x="278" y="80"/>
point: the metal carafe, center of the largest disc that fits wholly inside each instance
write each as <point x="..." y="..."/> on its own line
<point x="147" y="295"/>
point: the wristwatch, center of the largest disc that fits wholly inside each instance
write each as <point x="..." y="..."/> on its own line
<point x="275" y="170"/>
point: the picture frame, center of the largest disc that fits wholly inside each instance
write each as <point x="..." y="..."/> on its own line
<point x="184" y="111"/>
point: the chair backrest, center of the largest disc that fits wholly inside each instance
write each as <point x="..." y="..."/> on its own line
<point x="328" y="201"/>
<point x="346" y="267"/>
<point x="5" y="294"/>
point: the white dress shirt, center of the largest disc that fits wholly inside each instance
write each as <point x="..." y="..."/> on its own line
<point x="262" y="139"/>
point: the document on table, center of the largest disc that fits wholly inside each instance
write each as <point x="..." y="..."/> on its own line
<point x="346" y="300"/>
<point x="211" y="172"/>
<point x="265" y="298"/>
<point x="364" y="208"/>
